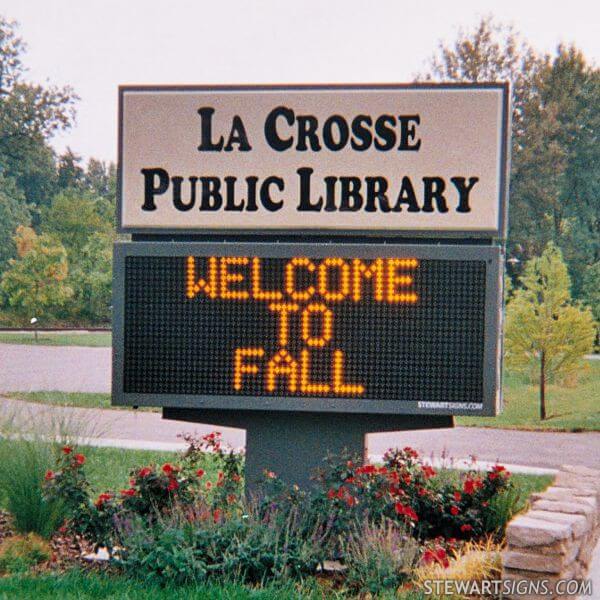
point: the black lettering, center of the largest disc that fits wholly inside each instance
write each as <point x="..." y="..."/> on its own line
<point x="407" y="196"/>
<point x="386" y="133"/>
<point x="206" y="143"/>
<point x="277" y="143"/>
<point x="330" y="193"/>
<point x="362" y="138"/>
<point x="376" y="190"/>
<point x="343" y="132"/>
<point x="238" y="136"/>
<point x="177" y="200"/>
<point x="265" y="194"/>
<point x="408" y="132"/>
<point x="230" y="193"/>
<point x="463" y="192"/>
<point x="305" y="204"/>
<point x="211" y="195"/>
<point x="350" y="191"/>
<point x="151" y="188"/>
<point x="434" y="190"/>
<point x="251" y="200"/>
<point x="307" y="128"/>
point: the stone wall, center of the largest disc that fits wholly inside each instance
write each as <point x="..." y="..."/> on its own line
<point x="555" y="538"/>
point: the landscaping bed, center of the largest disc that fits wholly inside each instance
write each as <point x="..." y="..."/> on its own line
<point x="181" y="522"/>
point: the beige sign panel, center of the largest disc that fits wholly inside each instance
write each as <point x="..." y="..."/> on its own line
<point x="416" y="159"/>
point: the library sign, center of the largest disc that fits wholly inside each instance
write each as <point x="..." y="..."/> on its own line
<point x="275" y="323"/>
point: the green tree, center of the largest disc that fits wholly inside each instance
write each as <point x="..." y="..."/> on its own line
<point x="591" y="289"/>
<point x="545" y="332"/>
<point x="13" y="212"/>
<point x="555" y="176"/>
<point x="73" y="217"/>
<point x="30" y="114"/>
<point x="35" y="282"/>
<point x="91" y="279"/>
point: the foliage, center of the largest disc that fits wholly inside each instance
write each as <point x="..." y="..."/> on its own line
<point x="555" y="162"/>
<point x="544" y="330"/>
<point x="19" y="553"/>
<point x="34" y="283"/>
<point x="591" y="289"/>
<point x="13" y="212"/>
<point x="29" y="115"/>
<point x="91" y="278"/>
<point x="23" y="467"/>
<point x="379" y="556"/>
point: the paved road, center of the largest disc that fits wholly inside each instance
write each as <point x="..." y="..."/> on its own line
<point x="535" y="449"/>
<point x="28" y="368"/>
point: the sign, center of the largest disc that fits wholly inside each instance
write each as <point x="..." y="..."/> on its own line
<point x="421" y="158"/>
<point x="307" y="327"/>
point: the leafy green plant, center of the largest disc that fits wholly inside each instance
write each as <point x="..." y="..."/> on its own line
<point x="380" y="556"/>
<point x="19" y="553"/>
<point x="24" y="464"/>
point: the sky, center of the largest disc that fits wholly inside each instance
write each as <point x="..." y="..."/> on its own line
<point x="94" y="45"/>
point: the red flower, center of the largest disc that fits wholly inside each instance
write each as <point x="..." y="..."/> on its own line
<point x="421" y="491"/>
<point x="208" y="485"/>
<point x="454" y="510"/>
<point x="331" y="494"/>
<point x="412" y="453"/>
<point x="145" y="472"/>
<point x="200" y="473"/>
<point x="485" y="504"/>
<point x="79" y="459"/>
<point x="407" y="479"/>
<point x="351" y="500"/>
<point x="466" y="528"/>
<point x="49" y="475"/>
<point x="270" y="475"/>
<point x="493" y="475"/>
<point x="403" y="509"/>
<point x="428" y="472"/>
<point x="457" y="496"/>
<point x="231" y="498"/>
<point x="469" y="486"/>
<point x="128" y="492"/>
<point x="236" y="478"/>
<point x="167" y="469"/>
<point x="498" y="468"/>
<point x="67" y="449"/>
<point x="366" y="470"/>
<point x="216" y="515"/>
<point x="173" y="485"/>
<point x="429" y="557"/>
<point x="102" y="498"/>
<point x="349" y="480"/>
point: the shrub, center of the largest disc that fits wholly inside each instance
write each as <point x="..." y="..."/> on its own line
<point x="19" y="553"/>
<point x="23" y="466"/>
<point x="186" y="547"/>
<point x="379" y="556"/>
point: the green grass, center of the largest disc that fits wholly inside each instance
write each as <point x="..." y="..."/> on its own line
<point x="98" y="339"/>
<point x="569" y="408"/>
<point x="78" y="399"/>
<point x="76" y="585"/>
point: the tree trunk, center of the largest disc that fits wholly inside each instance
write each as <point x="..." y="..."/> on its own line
<point x="543" y="387"/>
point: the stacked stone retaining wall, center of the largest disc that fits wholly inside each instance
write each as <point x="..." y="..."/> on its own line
<point x="555" y="539"/>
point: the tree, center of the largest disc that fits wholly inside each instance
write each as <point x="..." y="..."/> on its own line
<point x="35" y="282"/>
<point x="591" y="289"/>
<point x="91" y="279"/>
<point x="544" y="330"/>
<point x="555" y="176"/>
<point x="29" y="115"/>
<point x="13" y="212"/>
<point x="73" y="217"/>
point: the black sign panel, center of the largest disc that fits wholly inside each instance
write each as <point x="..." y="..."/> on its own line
<point x="293" y="327"/>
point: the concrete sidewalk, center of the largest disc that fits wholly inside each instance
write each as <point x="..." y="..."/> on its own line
<point x="534" y="449"/>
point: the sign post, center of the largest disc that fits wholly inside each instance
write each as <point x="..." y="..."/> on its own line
<point x="311" y="263"/>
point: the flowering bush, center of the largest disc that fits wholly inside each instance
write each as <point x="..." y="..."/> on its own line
<point x="408" y="492"/>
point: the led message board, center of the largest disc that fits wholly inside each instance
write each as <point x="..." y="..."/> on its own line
<point x="420" y="158"/>
<point x="307" y="327"/>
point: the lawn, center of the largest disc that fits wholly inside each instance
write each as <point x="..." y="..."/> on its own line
<point x="95" y="339"/>
<point x="570" y="408"/>
<point x="79" y="399"/>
